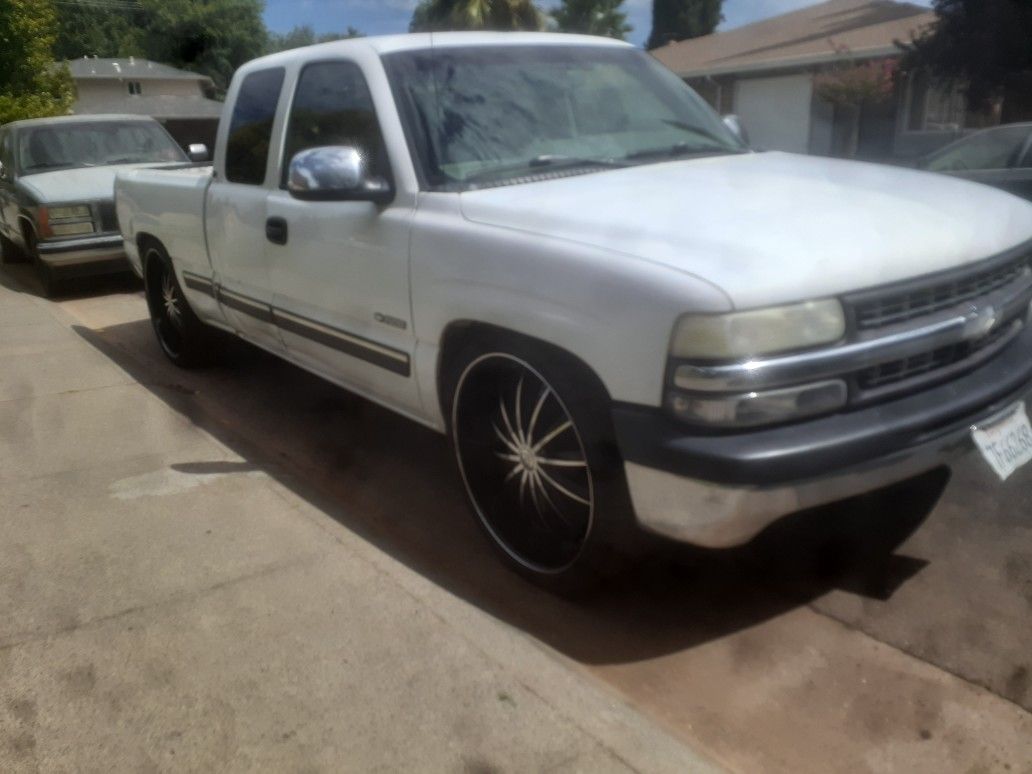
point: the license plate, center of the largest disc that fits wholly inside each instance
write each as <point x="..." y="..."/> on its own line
<point x="1007" y="443"/>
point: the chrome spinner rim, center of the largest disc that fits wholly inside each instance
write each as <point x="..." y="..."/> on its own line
<point x="523" y="462"/>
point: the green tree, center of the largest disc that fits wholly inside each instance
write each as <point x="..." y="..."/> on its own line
<point x="212" y="37"/>
<point x="985" y="47"/>
<point x="98" y="30"/>
<point x="593" y="17"/>
<point x="674" y="20"/>
<point x="432" y="15"/>
<point x="304" y="35"/>
<point x="30" y="85"/>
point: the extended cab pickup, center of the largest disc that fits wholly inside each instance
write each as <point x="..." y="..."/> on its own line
<point x="550" y="248"/>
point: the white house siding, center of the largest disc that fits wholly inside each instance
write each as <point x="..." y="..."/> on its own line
<point x="776" y="111"/>
<point x="97" y="90"/>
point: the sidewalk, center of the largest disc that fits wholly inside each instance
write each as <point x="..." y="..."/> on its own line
<point x="167" y="605"/>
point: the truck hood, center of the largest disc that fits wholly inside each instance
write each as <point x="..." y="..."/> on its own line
<point x="769" y="228"/>
<point x="77" y="185"/>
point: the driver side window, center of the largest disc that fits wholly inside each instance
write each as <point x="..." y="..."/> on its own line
<point x="333" y="106"/>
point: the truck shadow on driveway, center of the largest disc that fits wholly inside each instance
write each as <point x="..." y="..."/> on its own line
<point x="394" y="483"/>
<point x="23" y="278"/>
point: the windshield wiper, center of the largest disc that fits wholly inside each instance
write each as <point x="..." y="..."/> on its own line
<point x="679" y="150"/>
<point x="61" y="165"/>
<point x="548" y="161"/>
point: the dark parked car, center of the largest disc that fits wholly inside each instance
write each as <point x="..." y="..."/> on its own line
<point x="1001" y="157"/>
<point x="57" y="189"/>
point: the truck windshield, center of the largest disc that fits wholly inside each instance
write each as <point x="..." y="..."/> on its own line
<point x="93" y="144"/>
<point x="483" y="116"/>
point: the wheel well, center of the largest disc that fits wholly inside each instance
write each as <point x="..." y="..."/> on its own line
<point x="144" y="241"/>
<point x="462" y="335"/>
<point x="25" y="225"/>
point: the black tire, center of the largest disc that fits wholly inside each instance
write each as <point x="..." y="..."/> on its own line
<point x="184" y="339"/>
<point x="47" y="276"/>
<point x="11" y="252"/>
<point x="532" y="434"/>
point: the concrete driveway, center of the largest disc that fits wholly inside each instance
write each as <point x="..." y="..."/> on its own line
<point x="246" y="567"/>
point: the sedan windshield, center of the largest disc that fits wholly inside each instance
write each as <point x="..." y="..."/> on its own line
<point x="483" y="116"/>
<point x="998" y="148"/>
<point x="93" y="144"/>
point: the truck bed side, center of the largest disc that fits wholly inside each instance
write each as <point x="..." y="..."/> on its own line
<point x="167" y="204"/>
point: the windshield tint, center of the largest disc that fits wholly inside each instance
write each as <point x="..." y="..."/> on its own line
<point x="93" y="144"/>
<point x="991" y="149"/>
<point x="485" y="115"/>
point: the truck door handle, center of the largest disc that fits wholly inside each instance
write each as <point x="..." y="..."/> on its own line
<point x="276" y="231"/>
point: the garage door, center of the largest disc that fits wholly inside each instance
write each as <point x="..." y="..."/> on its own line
<point x="776" y="111"/>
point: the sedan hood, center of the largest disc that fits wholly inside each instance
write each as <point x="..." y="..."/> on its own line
<point x="77" y="185"/>
<point x="769" y="228"/>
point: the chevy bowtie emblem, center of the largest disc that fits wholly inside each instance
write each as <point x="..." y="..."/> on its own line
<point x="980" y="322"/>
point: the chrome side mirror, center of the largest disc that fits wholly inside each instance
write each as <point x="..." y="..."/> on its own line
<point x="335" y="173"/>
<point x="197" y="151"/>
<point x="734" y="123"/>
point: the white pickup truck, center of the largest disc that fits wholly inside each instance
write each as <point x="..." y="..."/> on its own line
<point x="550" y="248"/>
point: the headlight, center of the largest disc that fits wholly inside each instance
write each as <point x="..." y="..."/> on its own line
<point x="69" y="220"/>
<point x="69" y="213"/>
<point x="759" y="332"/>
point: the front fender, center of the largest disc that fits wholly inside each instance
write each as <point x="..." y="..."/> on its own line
<point x="613" y="311"/>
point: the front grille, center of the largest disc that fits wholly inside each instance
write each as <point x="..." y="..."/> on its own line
<point x="108" y="217"/>
<point x="894" y="308"/>
<point x="925" y="364"/>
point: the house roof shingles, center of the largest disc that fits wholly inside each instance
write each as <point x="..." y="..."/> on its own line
<point x="130" y="69"/>
<point x="810" y="36"/>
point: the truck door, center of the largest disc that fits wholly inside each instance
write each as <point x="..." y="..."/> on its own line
<point x="235" y="213"/>
<point x="340" y="272"/>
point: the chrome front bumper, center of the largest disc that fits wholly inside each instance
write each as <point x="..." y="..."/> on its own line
<point x="720" y="490"/>
<point x="716" y="516"/>
<point x="72" y="252"/>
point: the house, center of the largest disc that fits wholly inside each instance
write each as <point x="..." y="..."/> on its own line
<point x="181" y="100"/>
<point x="766" y="73"/>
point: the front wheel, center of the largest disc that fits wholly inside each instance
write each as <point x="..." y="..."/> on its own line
<point x="46" y="273"/>
<point x="10" y="252"/>
<point x="184" y="339"/>
<point x="533" y="442"/>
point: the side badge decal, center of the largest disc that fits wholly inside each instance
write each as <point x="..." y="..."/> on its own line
<point x="394" y="322"/>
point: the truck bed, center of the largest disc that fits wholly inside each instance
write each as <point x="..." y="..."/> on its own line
<point x="167" y="203"/>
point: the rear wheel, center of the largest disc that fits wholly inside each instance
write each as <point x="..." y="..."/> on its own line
<point x="184" y="339"/>
<point x="533" y="442"/>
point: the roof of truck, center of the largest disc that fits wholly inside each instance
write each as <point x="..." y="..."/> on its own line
<point x="77" y="119"/>
<point x="389" y="44"/>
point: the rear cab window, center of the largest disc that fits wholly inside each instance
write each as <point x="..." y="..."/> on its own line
<point x="250" y="128"/>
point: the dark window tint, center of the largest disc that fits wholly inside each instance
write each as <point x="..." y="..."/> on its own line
<point x="332" y="106"/>
<point x="250" y="129"/>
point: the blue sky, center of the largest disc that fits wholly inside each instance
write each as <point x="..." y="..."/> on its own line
<point x="382" y="17"/>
